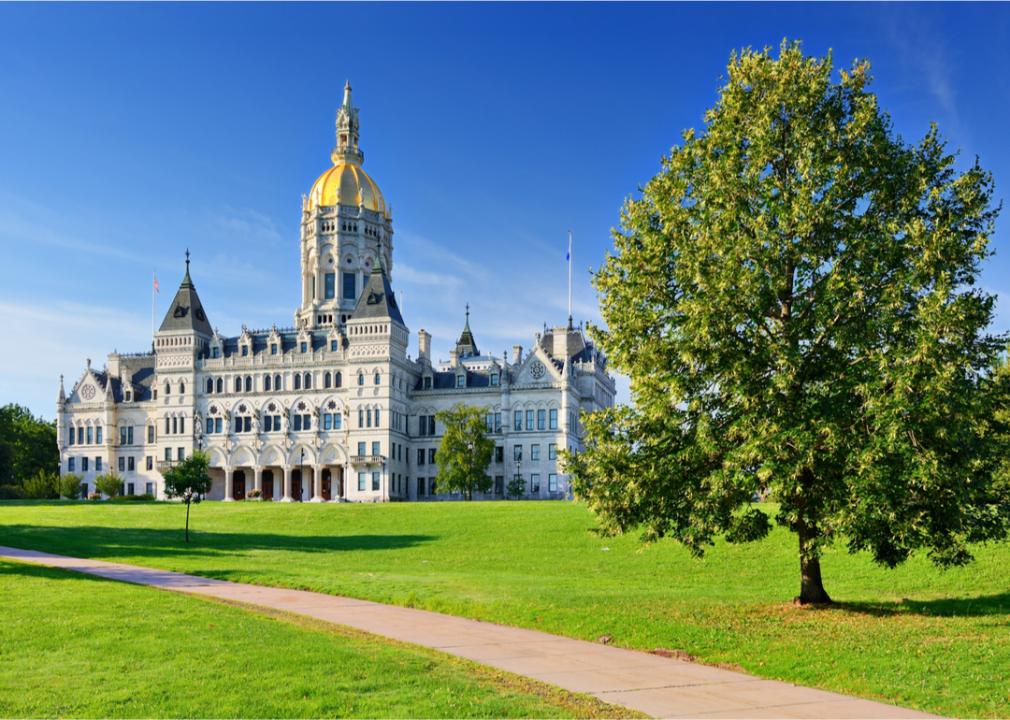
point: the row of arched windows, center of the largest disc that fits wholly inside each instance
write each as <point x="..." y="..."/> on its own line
<point x="272" y="383"/>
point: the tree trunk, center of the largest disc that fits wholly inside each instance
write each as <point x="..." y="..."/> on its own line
<point x="811" y="587"/>
<point x="187" y="521"/>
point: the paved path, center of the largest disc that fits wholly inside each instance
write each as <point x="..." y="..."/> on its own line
<point x="657" y="686"/>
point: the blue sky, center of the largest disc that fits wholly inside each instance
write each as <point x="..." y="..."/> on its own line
<point x="130" y="132"/>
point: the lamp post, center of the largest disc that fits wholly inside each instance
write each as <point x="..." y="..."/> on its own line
<point x="301" y="476"/>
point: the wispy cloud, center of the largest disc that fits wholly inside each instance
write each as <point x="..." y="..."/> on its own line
<point x="22" y="220"/>
<point x="45" y="341"/>
<point x="247" y="226"/>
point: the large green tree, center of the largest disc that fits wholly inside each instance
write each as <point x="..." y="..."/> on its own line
<point x="27" y="445"/>
<point x="465" y="452"/>
<point x="794" y="299"/>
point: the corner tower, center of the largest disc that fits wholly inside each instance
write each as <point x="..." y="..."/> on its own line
<point x="347" y="230"/>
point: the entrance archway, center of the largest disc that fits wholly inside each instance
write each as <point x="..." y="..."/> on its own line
<point x="267" y="478"/>
<point x="238" y="485"/>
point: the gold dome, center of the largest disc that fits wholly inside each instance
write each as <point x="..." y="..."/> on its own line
<point x="346" y="184"/>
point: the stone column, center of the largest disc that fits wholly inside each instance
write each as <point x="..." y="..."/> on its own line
<point x="317" y="483"/>
<point x="347" y="479"/>
<point x="258" y="479"/>
<point x="229" y="491"/>
<point x="287" y="485"/>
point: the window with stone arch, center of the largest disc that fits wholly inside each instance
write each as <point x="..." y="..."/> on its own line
<point x="248" y="383"/>
<point x="377" y="380"/>
<point x="182" y="388"/>
<point x="220" y="385"/>
<point x="210" y="385"/>
<point x="337" y="379"/>
<point x="298" y="381"/>
<point x="308" y="381"/>
<point x="168" y="388"/>
<point x="361" y="378"/>
<point x="266" y="383"/>
<point x="278" y="385"/>
<point x="327" y="379"/>
<point x="238" y="384"/>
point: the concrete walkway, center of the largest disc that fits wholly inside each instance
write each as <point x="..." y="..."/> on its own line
<point x="657" y="686"/>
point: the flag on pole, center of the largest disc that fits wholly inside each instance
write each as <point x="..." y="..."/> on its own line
<point x="156" y="288"/>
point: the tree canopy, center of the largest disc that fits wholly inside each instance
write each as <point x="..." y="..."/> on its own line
<point x="27" y="445"/>
<point x="794" y="297"/>
<point x="190" y="473"/>
<point x="465" y="452"/>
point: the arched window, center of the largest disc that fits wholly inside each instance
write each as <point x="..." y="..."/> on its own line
<point x="266" y="383"/>
<point x="248" y="383"/>
<point x="361" y="378"/>
<point x="361" y="418"/>
<point x="298" y="381"/>
<point x="168" y="388"/>
<point x="376" y="379"/>
<point x="238" y="384"/>
<point x="175" y="426"/>
<point x="338" y="380"/>
<point x="378" y="423"/>
<point x="308" y="381"/>
<point x="220" y="385"/>
<point x="182" y="388"/>
<point x="327" y="381"/>
<point x="277" y="383"/>
<point x="210" y="385"/>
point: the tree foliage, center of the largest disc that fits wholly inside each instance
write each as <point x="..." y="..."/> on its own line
<point x="27" y="445"/>
<point x="109" y="484"/>
<point x="190" y="473"/>
<point x="465" y="452"/>
<point x="794" y="298"/>
<point x="69" y="486"/>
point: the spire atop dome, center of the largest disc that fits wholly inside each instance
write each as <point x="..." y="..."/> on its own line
<point x="347" y="149"/>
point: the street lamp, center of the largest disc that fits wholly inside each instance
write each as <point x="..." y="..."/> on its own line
<point x="301" y="476"/>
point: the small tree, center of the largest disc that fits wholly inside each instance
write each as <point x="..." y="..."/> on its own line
<point x="516" y="487"/>
<point x="109" y="484"/>
<point x="189" y="480"/>
<point x="69" y="486"/>
<point x="465" y="452"/>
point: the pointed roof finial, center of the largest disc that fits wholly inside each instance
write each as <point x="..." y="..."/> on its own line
<point x="468" y="314"/>
<point x="347" y="93"/>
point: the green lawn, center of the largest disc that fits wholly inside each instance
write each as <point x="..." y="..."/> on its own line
<point x="72" y="645"/>
<point x="938" y="641"/>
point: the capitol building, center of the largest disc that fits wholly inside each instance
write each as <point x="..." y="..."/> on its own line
<point x="333" y="408"/>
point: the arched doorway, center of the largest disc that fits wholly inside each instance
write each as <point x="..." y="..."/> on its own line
<point x="238" y="485"/>
<point x="296" y="485"/>
<point x="327" y="493"/>
<point x="267" y="478"/>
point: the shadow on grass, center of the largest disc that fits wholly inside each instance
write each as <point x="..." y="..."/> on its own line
<point x="100" y="542"/>
<point x="978" y="606"/>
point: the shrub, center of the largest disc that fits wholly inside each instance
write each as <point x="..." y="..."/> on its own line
<point x="69" y="486"/>
<point x="43" y="485"/>
<point x="11" y="492"/>
<point x="109" y="484"/>
<point x="146" y="497"/>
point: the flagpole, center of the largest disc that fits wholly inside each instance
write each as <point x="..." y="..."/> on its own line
<point x="569" y="278"/>
<point x="154" y="290"/>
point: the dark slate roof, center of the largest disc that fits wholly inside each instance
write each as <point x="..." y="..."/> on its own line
<point x="260" y="341"/>
<point x="447" y="381"/>
<point x="377" y="299"/>
<point x="186" y="311"/>
<point x="141" y="376"/>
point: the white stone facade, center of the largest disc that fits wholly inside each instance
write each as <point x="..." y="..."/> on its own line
<point x="332" y="409"/>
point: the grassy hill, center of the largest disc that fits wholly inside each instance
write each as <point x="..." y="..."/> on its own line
<point x="916" y="636"/>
